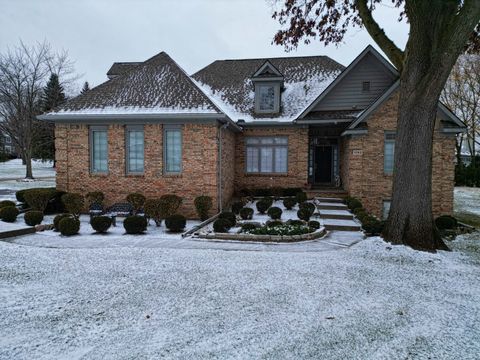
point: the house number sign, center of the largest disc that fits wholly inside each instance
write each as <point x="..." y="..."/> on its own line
<point x="357" y="152"/>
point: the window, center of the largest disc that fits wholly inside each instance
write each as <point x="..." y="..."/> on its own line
<point x="8" y="140"/>
<point x="172" y="150"/>
<point x="135" y="150"/>
<point x="389" y="152"/>
<point x="266" y="98"/>
<point x="366" y="86"/>
<point x="386" y="209"/>
<point x="98" y="149"/>
<point x="267" y="154"/>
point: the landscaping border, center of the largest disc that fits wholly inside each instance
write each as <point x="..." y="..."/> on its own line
<point x="265" y="238"/>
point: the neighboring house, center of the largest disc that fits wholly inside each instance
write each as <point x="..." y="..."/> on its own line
<point x="6" y="144"/>
<point x="304" y="122"/>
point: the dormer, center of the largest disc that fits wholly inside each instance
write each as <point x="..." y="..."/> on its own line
<point x="268" y="82"/>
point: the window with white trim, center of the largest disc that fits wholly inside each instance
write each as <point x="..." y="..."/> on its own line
<point x="135" y="150"/>
<point x="98" y="149"/>
<point x="267" y="154"/>
<point x="389" y="152"/>
<point x="172" y="150"/>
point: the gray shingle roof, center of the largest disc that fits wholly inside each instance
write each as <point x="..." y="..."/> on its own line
<point x="229" y="83"/>
<point x="156" y="86"/>
<point x="119" y="68"/>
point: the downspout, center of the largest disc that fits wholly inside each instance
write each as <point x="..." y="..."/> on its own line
<point x="220" y="179"/>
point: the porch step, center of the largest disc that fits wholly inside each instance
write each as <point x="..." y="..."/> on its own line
<point x="326" y="193"/>
<point x="336" y="214"/>
<point x="341" y="225"/>
<point x="330" y="200"/>
<point x="324" y="205"/>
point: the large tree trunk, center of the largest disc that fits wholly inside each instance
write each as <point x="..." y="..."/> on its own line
<point x="28" y="163"/>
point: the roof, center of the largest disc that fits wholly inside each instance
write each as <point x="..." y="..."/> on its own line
<point x="229" y="84"/>
<point x="332" y="115"/>
<point x="156" y="86"/>
<point x="119" y="68"/>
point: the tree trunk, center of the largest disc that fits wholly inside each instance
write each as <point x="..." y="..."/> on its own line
<point x="28" y="163"/>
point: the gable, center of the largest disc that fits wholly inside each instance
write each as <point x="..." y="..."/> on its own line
<point x="267" y="70"/>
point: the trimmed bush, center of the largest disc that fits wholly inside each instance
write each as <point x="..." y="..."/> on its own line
<point x="301" y="197"/>
<point x="55" y="204"/>
<point x="446" y="222"/>
<point x="289" y="203"/>
<point x="56" y="221"/>
<point x="169" y="205"/>
<point x="268" y="200"/>
<point x="246" y="213"/>
<point x="277" y="192"/>
<point x="38" y="199"/>
<point x="275" y="213"/>
<point x="222" y="225"/>
<point x="229" y="216"/>
<point x="6" y="203"/>
<point x="237" y="206"/>
<point x="262" y="206"/>
<point x="73" y="203"/>
<point x="248" y="227"/>
<point x="203" y="204"/>
<point x="307" y="206"/>
<point x="152" y="210"/>
<point x="176" y="223"/>
<point x="295" y="222"/>
<point x="33" y="217"/>
<point x="101" y="224"/>
<point x="273" y="223"/>
<point x="354" y="204"/>
<point x="69" y="226"/>
<point x="314" y="224"/>
<point x="137" y="201"/>
<point x="135" y="224"/>
<point x="9" y="213"/>
<point x="372" y="225"/>
<point x="304" y="214"/>
<point x="95" y="197"/>
<point x="20" y="195"/>
<point x="282" y="230"/>
<point x="291" y="191"/>
<point x="359" y="211"/>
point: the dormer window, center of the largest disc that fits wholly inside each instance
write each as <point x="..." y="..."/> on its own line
<point x="268" y="83"/>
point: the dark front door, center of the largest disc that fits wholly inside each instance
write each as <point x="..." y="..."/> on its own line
<point x="323" y="164"/>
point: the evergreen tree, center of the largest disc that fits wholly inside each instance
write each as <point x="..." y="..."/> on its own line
<point x="85" y="88"/>
<point x="54" y="94"/>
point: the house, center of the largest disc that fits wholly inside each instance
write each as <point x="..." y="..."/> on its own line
<point x="304" y="122"/>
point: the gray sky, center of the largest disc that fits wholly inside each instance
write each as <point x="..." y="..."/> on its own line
<point x="193" y="32"/>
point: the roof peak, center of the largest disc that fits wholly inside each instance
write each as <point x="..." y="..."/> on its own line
<point x="277" y="57"/>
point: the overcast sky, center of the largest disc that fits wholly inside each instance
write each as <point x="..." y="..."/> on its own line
<point x="97" y="33"/>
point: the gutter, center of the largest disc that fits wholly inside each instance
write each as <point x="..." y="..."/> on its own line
<point x="220" y="174"/>
<point x="133" y="116"/>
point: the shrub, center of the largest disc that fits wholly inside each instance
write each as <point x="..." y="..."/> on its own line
<point x="229" y="216"/>
<point x="176" y="223"/>
<point x="222" y="225"/>
<point x="69" y="226"/>
<point x="282" y="230"/>
<point x="295" y="222"/>
<point x="169" y="205"/>
<point x="237" y="206"/>
<point x="33" y="217"/>
<point x="203" y="204"/>
<point x="354" y="204"/>
<point x="314" y="224"/>
<point x="55" y="204"/>
<point x="38" y="199"/>
<point x="5" y="203"/>
<point x="56" y="221"/>
<point x="275" y="213"/>
<point x="137" y="201"/>
<point x="95" y="197"/>
<point x="307" y="206"/>
<point x="362" y="215"/>
<point x="101" y="224"/>
<point x="135" y="224"/>
<point x="446" y="222"/>
<point x="273" y="223"/>
<point x="246" y="213"/>
<point x="268" y="200"/>
<point x="359" y="211"/>
<point x="248" y="226"/>
<point x="373" y="226"/>
<point x="301" y="197"/>
<point x="304" y="214"/>
<point x="9" y="213"/>
<point x="262" y="206"/>
<point x="152" y="210"/>
<point x="73" y="203"/>
<point x="277" y="192"/>
<point x="289" y="203"/>
<point x="291" y="191"/>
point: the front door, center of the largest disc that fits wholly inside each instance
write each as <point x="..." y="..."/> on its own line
<point x="323" y="164"/>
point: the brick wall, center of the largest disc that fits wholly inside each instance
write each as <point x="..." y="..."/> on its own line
<point x="228" y="166"/>
<point x="364" y="175"/>
<point x="297" y="159"/>
<point x="199" y="165"/>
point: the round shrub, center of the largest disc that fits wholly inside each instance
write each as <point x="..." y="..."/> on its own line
<point x="237" y="206"/>
<point x="69" y="226"/>
<point x="222" y="225"/>
<point x="95" y="197"/>
<point x="289" y="203"/>
<point x="359" y="211"/>
<point x="137" y="201"/>
<point x="5" y="203"/>
<point x="307" y="206"/>
<point x="273" y="223"/>
<point x="33" y="217"/>
<point x="203" y="204"/>
<point x="304" y="214"/>
<point x="294" y="222"/>
<point x="101" y="224"/>
<point x="268" y="200"/>
<point x="152" y="210"/>
<point x="135" y="224"/>
<point x="73" y="203"/>
<point x="9" y="213"/>
<point x="275" y="213"/>
<point x="169" y="205"/>
<point x="176" y="223"/>
<point x="353" y="203"/>
<point x="301" y="196"/>
<point x="20" y="195"/>
<point x="38" y="199"/>
<point x="56" y="221"/>
<point x="229" y="216"/>
<point x="446" y="222"/>
<point x="55" y="204"/>
<point x="246" y="213"/>
<point x="248" y="227"/>
<point x="262" y="206"/>
<point x="314" y="224"/>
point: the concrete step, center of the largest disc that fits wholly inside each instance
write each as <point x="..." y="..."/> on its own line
<point x="330" y="200"/>
<point x="340" y="225"/>
<point x="323" y="205"/>
<point x="336" y="214"/>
